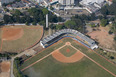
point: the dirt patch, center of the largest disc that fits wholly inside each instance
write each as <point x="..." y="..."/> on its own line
<point x="74" y="58"/>
<point x="12" y="33"/>
<point x="103" y="37"/>
<point x="5" y="66"/>
<point x="5" y="69"/>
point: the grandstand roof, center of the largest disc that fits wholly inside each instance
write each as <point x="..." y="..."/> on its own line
<point x="68" y="31"/>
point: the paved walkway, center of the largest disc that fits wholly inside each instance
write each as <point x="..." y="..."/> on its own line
<point x="19" y="55"/>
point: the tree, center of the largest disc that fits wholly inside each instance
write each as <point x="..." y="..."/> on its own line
<point x="70" y="24"/>
<point x="104" y="10"/>
<point x="42" y="23"/>
<point x="104" y="22"/>
<point x="34" y="23"/>
<point x="8" y="19"/>
<point x="109" y="9"/>
<point x="92" y="25"/>
<point x="45" y="11"/>
<point x="17" y="12"/>
<point x="28" y="19"/>
<point x="34" y="11"/>
<point x="58" y="27"/>
<point x="112" y="57"/>
<point x="115" y="38"/>
<point x="27" y="23"/>
<point x="6" y="10"/>
<point x="51" y="8"/>
<point x="60" y="19"/>
<point x="1" y="23"/>
<point x="17" y="0"/>
<point x="52" y="26"/>
<point x="113" y="28"/>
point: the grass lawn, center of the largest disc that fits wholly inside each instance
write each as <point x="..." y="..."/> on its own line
<point x="67" y="51"/>
<point x="45" y="52"/>
<point x="95" y="57"/>
<point x="30" y="37"/>
<point x="49" y="67"/>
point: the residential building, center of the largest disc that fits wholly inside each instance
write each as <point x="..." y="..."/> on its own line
<point x="5" y="1"/>
<point x="87" y="2"/>
<point x="67" y="2"/>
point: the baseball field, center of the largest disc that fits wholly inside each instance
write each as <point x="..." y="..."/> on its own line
<point x="17" y="38"/>
<point x="68" y="58"/>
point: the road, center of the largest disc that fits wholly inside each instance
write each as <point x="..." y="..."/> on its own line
<point x="107" y="49"/>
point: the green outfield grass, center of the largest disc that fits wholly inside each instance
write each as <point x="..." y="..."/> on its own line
<point x="43" y="53"/>
<point x="30" y="37"/>
<point x="95" y="57"/>
<point x="67" y="53"/>
<point x="49" y="67"/>
<point x="52" y="68"/>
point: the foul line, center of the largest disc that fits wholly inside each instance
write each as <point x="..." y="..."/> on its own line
<point x="42" y="58"/>
<point x="98" y="54"/>
<point x="75" y="49"/>
<point x="96" y="62"/>
<point x="36" y="62"/>
<point x="83" y="54"/>
<point x="1" y="41"/>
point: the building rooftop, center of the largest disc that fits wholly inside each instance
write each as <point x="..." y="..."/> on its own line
<point x="68" y="31"/>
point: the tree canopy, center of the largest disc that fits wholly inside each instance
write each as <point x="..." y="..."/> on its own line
<point x="109" y="9"/>
<point x="32" y="15"/>
<point x="45" y="11"/>
<point x="104" y="22"/>
<point x="70" y="24"/>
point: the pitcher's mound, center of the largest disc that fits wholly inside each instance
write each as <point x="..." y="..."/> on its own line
<point x="12" y="33"/>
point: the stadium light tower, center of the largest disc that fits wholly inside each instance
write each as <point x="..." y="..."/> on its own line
<point x="46" y="20"/>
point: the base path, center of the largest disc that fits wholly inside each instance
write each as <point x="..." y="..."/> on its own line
<point x="96" y="62"/>
<point x="41" y="59"/>
<point x="61" y="58"/>
<point x="36" y="62"/>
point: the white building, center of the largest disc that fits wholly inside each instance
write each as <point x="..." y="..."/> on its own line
<point x="67" y="2"/>
<point x="87" y="2"/>
<point x="76" y="35"/>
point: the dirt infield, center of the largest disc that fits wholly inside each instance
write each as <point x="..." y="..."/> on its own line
<point x="19" y="38"/>
<point x="12" y="33"/>
<point x="74" y="58"/>
<point x="60" y="57"/>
